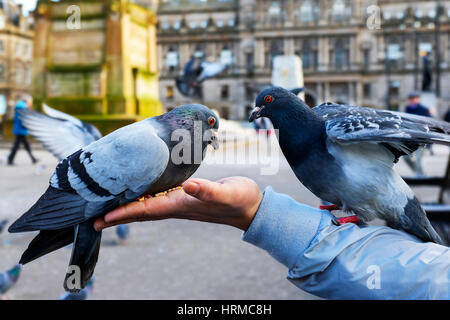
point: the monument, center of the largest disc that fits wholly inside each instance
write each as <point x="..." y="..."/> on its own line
<point x="96" y="60"/>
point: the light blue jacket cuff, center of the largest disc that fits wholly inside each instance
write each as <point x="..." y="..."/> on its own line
<point x="283" y="227"/>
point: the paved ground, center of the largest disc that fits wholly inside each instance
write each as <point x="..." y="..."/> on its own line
<point x="167" y="259"/>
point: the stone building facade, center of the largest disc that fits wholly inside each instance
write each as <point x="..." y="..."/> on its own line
<point x="363" y="52"/>
<point x="96" y="60"/>
<point x="16" y="53"/>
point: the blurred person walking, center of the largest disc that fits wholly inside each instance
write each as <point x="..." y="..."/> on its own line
<point x="2" y="112"/>
<point x="20" y="131"/>
<point x="414" y="161"/>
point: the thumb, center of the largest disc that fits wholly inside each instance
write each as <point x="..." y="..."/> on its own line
<point x="204" y="190"/>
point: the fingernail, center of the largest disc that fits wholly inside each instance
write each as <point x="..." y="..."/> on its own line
<point x="191" y="188"/>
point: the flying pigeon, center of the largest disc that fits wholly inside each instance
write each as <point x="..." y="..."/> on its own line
<point x="9" y="278"/>
<point x="139" y="159"/>
<point x="345" y="155"/>
<point x="3" y="224"/>
<point x="60" y="133"/>
<point x="196" y="71"/>
<point x="82" y="295"/>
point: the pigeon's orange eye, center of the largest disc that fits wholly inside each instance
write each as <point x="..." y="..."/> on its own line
<point x="268" y="99"/>
<point x="211" y="121"/>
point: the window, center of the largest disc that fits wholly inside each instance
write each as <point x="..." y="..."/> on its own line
<point x="231" y="23"/>
<point x="341" y="10"/>
<point x="275" y="13"/>
<point x="26" y="50"/>
<point x="366" y="57"/>
<point x="219" y="23"/>
<point x="2" y="22"/>
<point x="2" y="46"/>
<point x="172" y="59"/>
<point x="272" y="48"/>
<point x="27" y="76"/>
<point x="394" y="51"/>
<point x="199" y="51"/>
<point x="226" y="56"/>
<point x="2" y="73"/>
<point x="367" y="90"/>
<point x="224" y="92"/>
<point x="204" y="24"/>
<point x="165" y="25"/>
<point x="308" y="12"/>
<point x="193" y="24"/>
<point x="394" y="87"/>
<point x="177" y="25"/>
<point x="170" y="93"/>
<point x="340" y="53"/>
<point x="17" y="49"/>
<point x="19" y="75"/>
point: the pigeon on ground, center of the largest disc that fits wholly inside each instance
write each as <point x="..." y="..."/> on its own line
<point x="82" y="295"/>
<point x="147" y="157"/>
<point x="3" y="224"/>
<point x="9" y="278"/>
<point x="60" y="133"/>
<point x="123" y="231"/>
<point x="345" y="155"/>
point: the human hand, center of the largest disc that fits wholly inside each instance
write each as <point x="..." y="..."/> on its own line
<point x="232" y="201"/>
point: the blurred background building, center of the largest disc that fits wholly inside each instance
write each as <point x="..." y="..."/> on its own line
<point x="16" y="52"/>
<point x="351" y="52"/>
<point x="101" y="68"/>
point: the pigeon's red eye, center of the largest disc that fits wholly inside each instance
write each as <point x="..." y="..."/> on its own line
<point x="211" y="121"/>
<point x="268" y="99"/>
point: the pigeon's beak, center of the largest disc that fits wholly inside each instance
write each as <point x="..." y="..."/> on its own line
<point x="214" y="142"/>
<point x="256" y="113"/>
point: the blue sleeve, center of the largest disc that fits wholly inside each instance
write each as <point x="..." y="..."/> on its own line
<point x="348" y="261"/>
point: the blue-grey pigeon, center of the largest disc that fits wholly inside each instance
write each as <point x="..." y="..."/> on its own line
<point x="345" y="155"/>
<point x="138" y="159"/>
<point x="61" y="134"/>
<point x="9" y="278"/>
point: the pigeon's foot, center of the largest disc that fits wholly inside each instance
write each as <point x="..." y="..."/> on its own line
<point x="349" y="219"/>
<point x="329" y="207"/>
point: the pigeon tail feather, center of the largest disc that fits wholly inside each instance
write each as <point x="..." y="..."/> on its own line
<point x="85" y="253"/>
<point x="55" y="209"/>
<point x="47" y="241"/>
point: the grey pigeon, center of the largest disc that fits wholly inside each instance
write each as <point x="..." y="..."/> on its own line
<point x="82" y="295"/>
<point x="345" y="155"/>
<point x="60" y="133"/>
<point x="119" y="168"/>
<point x="9" y="278"/>
<point x="3" y="224"/>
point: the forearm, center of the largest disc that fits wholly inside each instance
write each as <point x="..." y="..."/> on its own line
<point x="348" y="261"/>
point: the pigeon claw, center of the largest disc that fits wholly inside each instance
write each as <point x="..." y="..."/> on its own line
<point x="350" y="219"/>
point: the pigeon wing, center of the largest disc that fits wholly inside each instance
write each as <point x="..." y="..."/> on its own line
<point x="401" y="133"/>
<point x="109" y="172"/>
<point x="60" y="136"/>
